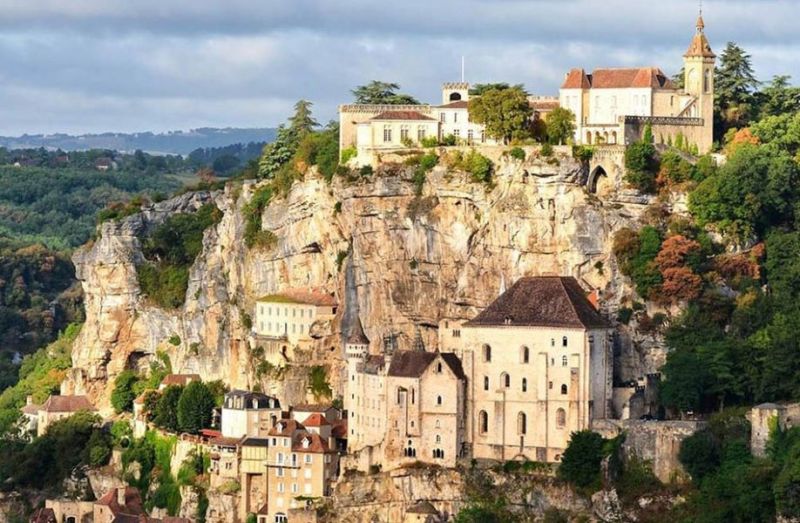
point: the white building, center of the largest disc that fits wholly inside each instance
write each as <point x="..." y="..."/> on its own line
<point x="249" y="414"/>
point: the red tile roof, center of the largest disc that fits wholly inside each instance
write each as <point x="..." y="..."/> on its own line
<point x="290" y="426"/>
<point x="306" y="296"/>
<point x="650" y="77"/>
<point x="31" y="409"/>
<point x="315" y="420"/>
<point x="700" y="45"/>
<point x="339" y="429"/>
<point x="312" y="407"/>
<point x="315" y="443"/>
<point x="543" y="301"/>
<point x="223" y="441"/>
<point x="67" y="404"/>
<point x="133" y="502"/>
<point x="576" y="79"/>
<point x="179" y="379"/>
<point x="460" y="104"/>
<point x="402" y="115"/>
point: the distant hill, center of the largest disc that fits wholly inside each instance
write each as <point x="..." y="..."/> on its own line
<point x="173" y="142"/>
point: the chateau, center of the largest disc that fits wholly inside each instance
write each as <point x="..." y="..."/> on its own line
<point x="512" y="383"/>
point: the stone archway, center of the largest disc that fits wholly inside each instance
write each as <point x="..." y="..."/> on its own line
<point x="596" y="173"/>
<point x="455" y="97"/>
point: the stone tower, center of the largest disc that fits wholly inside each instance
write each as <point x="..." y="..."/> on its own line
<point x="698" y="65"/>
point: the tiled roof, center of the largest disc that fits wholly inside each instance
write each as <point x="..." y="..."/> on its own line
<point x="315" y="443"/>
<point x="312" y="407"/>
<point x="289" y="427"/>
<point x="255" y="442"/>
<point x="179" y="379"/>
<point x="339" y="429"/>
<point x="356" y="335"/>
<point x="31" y="409"/>
<point x="133" y="502"/>
<point x="700" y="45"/>
<point x="373" y="363"/>
<point x="402" y="115"/>
<point x="613" y="78"/>
<point x="66" y="404"/>
<point x="412" y="364"/>
<point x="223" y="441"/>
<point x="460" y="104"/>
<point x="544" y="105"/>
<point x="305" y="296"/>
<point x="454" y="363"/>
<point x="542" y="301"/>
<point x="316" y="420"/>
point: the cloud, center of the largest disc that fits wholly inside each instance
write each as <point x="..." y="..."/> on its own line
<point x="96" y="65"/>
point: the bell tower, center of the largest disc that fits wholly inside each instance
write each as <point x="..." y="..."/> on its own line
<point x="698" y="65"/>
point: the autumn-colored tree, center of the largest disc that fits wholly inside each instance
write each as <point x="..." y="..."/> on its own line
<point x="740" y="137"/>
<point x="680" y="284"/>
<point x="674" y="252"/>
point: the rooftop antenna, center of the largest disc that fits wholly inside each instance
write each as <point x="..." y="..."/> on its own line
<point x="462" y="68"/>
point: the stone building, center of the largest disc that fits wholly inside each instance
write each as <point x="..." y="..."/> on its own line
<point x="287" y="320"/>
<point x="766" y="417"/>
<point x="178" y="380"/>
<point x="60" y="407"/>
<point x="246" y="413"/>
<point x="405" y="407"/>
<point x="224" y="460"/>
<point x="301" y="466"/>
<point x="539" y="365"/>
<point x="613" y="106"/>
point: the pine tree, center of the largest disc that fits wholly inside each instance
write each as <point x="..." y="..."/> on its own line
<point x="735" y="84"/>
<point x="278" y="153"/>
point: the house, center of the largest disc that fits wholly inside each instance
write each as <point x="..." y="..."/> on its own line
<point x="613" y="105"/>
<point x="253" y="474"/>
<point x="119" y="504"/>
<point x="60" y="407"/>
<point x="539" y="359"/>
<point x="30" y="418"/>
<point x="301" y="467"/>
<point x="178" y="380"/>
<point x="246" y="413"/>
<point x="288" y="319"/>
<point x="302" y="411"/>
<point x="224" y="460"/>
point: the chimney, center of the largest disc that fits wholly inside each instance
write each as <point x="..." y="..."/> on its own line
<point x="594" y="299"/>
<point x="29" y="400"/>
<point x="121" y="496"/>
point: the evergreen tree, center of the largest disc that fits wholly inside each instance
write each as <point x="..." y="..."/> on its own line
<point x="735" y="84"/>
<point x="165" y="414"/>
<point x="301" y="124"/>
<point x="278" y="153"/>
<point x="123" y="394"/>
<point x="377" y="92"/>
<point x="195" y="407"/>
<point x="779" y="97"/>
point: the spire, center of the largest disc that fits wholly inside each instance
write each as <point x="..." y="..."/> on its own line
<point x="356" y="335"/>
<point x="700" y="24"/>
<point x="700" y="46"/>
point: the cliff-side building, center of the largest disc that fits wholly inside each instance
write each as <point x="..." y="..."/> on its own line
<point x="613" y="105"/>
<point x="539" y="360"/>
<point x="59" y="407"/>
<point x="246" y="413"/>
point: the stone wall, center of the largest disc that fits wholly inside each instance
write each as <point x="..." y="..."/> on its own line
<point x="658" y="442"/>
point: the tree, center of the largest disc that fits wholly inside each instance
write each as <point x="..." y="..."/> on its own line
<point x="123" y="394"/>
<point x="277" y="154"/>
<point x="685" y="381"/>
<point x="504" y="112"/>
<point x="560" y="125"/>
<point x="779" y="98"/>
<point x="580" y="463"/>
<point x="699" y="454"/>
<point x="641" y="164"/>
<point x="165" y="414"/>
<point x="195" y="407"/>
<point x="480" y="89"/>
<point x="301" y="124"/>
<point x="734" y="83"/>
<point x="377" y="92"/>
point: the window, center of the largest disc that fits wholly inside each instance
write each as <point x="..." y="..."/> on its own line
<point x="443" y="117"/>
<point x="438" y="400"/>
<point x="505" y="379"/>
<point x="707" y="81"/>
<point x="564" y="390"/>
<point x="455" y="117"/>
<point x="456" y="333"/>
<point x="563" y="361"/>
<point x="524" y="384"/>
<point x="522" y="423"/>
<point x="387" y="133"/>
<point x="483" y="422"/>
<point x="564" y="341"/>
<point x="470" y="136"/>
<point x="281" y="518"/>
<point x="439" y="368"/>
<point x="413" y="395"/>
<point x="552" y="342"/>
<point x="483" y="136"/>
<point x="404" y="133"/>
<point x="399" y="396"/>
<point x="457" y="133"/>
<point x="438" y="438"/>
<point x="561" y="418"/>
<point x="438" y="424"/>
<point x="525" y="354"/>
<point x="420" y="133"/>
<point x="486" y="383"/>
<point x="438" y="454"/>
<point x="308" y="458"/>
<point x="487" y="353"/>
<point x="280" y="487"/>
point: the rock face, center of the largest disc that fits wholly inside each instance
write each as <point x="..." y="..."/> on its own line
<point x="402" y="262"/>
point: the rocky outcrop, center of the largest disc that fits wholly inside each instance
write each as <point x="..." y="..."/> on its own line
<point x="407" y="262"/>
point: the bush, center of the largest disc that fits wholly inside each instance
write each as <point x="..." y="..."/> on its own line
<point x="348" y="154"/>
<point x="124" y="391"/>
<point x="518" y="153"/>
<point x="546" y="150"/>
<point x="429" y="141"/>
<point x="174" y="340"/>
<point x="318" y="382"/>
<point x="624" y="315"/>
<point x="699" y="454"/>
<point x="252" y="215"/>
<point x="641" y="166"/>
<point x="580" y="464"/>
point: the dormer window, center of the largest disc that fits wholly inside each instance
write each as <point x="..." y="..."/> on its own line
<point x="306" y="442"/>
<point x="280" y="427"/>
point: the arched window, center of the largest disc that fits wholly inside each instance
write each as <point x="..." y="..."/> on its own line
<point x="438" y="424"/>
<point x="487" y="353"/>
<point x="525" y="356"/>
<point x="524" y="384"/>
<point x="564" y="361"/>
<point x="564" y="390"/>
<point x="505" y="379"/>
<point x="438" y="400"/>
<point x="483" y="422"/>
<point x="561" y="418"/>
<point x="486" y="383"/>
<point x="564" y="341"/>
<point x="438" y="438"/>
<point x="439" y="367"/>
<point x="552" y="342"/>
<point x="707" y="81"/>
<point x="522" y="423"/>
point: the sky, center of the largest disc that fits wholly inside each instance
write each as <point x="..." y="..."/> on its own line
<point x="83" y="66"/>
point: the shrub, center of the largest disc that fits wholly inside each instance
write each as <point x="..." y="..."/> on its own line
<point x="337" y="208"/>
<point x="582" y="153"/>
<point x="348" y="154"/>
<point x="699" y="454"/>
<point x="318" y="382"/>
<point x="624" y="315"/>
<point x="518" y="153"/>
<point x="429" y="141"/>
<point x="365" y="171"/>
<point x="580" y="464"/>
<point x="174" y="340"/>
<point x="546" y="150"/>
<point x="641" y="166"/>
<point x="340" y="257"/>
<point x="123" y="394"/>
<point x="449" y="140"/>
<point x="252" y="214"/>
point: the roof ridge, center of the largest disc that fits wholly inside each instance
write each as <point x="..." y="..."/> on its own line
<point x="569" y="299"/>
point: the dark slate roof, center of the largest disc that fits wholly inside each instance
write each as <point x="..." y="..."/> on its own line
<point x="250" y="399"/>
<point x="356" y="335"/>
<point x="373" y="363"/>
<point x="542" y="301"/>
<point x="255" y="442"/>
<point x="455" y="364"/>
<point x="412" y="364"/>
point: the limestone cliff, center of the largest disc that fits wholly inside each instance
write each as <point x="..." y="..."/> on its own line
<point x="410" y="262"/>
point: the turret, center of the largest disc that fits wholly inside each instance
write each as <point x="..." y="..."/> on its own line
<point x="698" y="66"/>
<point x="356" y="344"/>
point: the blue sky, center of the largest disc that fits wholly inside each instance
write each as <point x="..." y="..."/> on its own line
<point x="120" y="65"/>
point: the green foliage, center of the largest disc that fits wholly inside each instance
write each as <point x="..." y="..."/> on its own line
<point x="478" y="166"/>
<point x="195" y="407"/>
<point x="170" y="250"/>
<point x="174" y="340"/>
<point x="318" y="382"/>
<point x="518" y="153"/>
<point x="580" y="464"/>
<point x="123" y="394"/>
<point x="253" y="235"/>
<point x="340" y="257"/>
<point x="636" y="254"/>
<point x="165" y="414"/>
<point x="734" y="87"/>
<point x="430" y="141"/>
<point x="504" y="112"/>
<point x="641" y="166"/>
<point x="348" y="154"/>
<point x="121" y="433"/>
<point x="377" y="92"/>
<point x="560" y="124"/>
<point x="547" y="150"/>
<point x="277" y="155"/>
<point x="700" y="454"/>
<point x="153" y="454"/>
<point x="582" y="153"/>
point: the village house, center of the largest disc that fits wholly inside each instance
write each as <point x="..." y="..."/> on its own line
<point x="178" y="380"/>
<point x="224" y="460"/>
<point x="60" y="407"/>
<point x="288" y="319"/>
<point x="539" y="360"/>
<point x="121" y="504"/>
<point x="612" y="106"/>
<point x="253" y="478"/>
<point x="246" y="413"/>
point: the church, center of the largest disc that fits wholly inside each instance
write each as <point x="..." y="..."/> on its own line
<point x="613" y="105"/>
